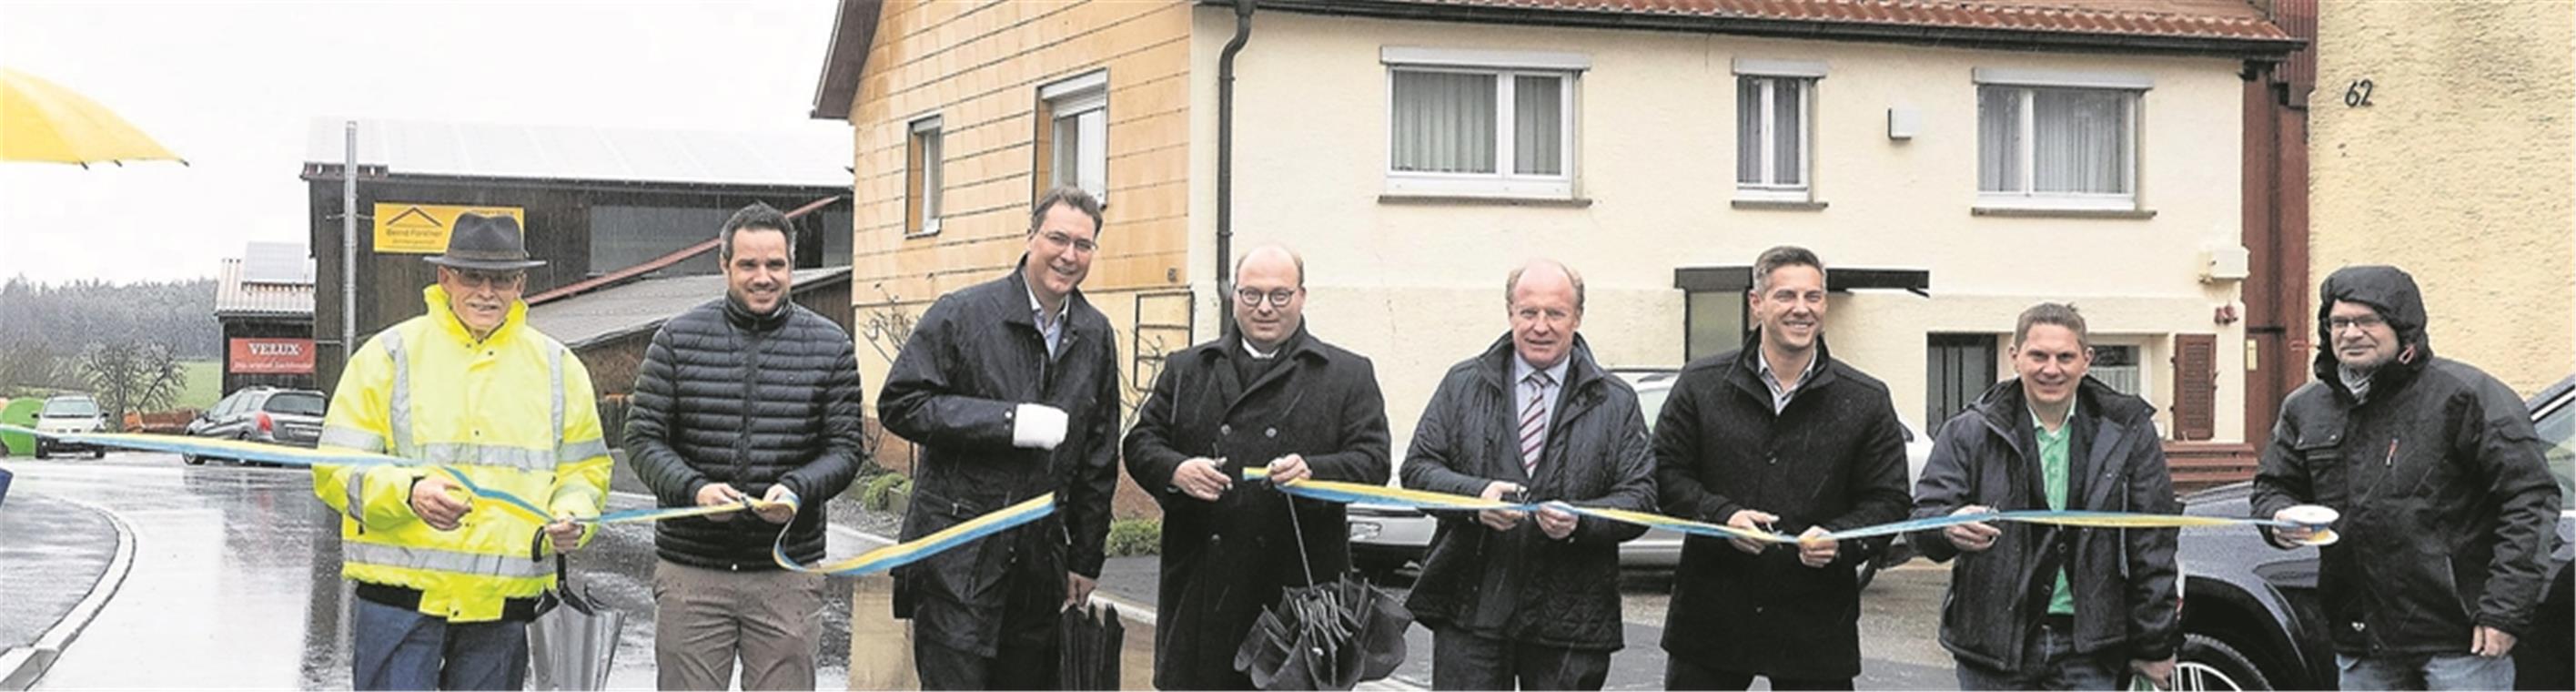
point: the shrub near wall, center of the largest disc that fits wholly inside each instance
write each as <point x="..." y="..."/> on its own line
<point x="1129" y="537"/>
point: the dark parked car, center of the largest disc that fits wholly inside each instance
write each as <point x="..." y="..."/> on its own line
<point x="69" y="413"/>
<point x="263" y="414"/>
<point x="1385" y="538"/>
<point x="2250" y="614"/>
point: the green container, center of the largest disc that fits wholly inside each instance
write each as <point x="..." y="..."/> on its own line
<point x="20" y="412"/>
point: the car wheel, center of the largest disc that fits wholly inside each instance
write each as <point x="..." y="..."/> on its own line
<point x="2209" y="664"/>
<point x="193" y="460"/>
<point x="42" y="452"/>
<point x="100" y="453"/>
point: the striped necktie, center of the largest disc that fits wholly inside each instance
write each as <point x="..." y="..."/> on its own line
<point x="1534" y="421"/>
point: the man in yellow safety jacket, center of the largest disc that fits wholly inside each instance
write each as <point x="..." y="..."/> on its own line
<point x="446" y="585"/>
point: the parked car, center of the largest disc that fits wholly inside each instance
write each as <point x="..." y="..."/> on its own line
<point x="69" y="413"/>
<point x="263" y="414"/>
<point x="1385" y="539"/>
<point x="2251" y="619"/>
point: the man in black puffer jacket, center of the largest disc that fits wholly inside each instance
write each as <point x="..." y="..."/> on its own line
<point x="749" y="396"/>
<point x="2441" y="563"/>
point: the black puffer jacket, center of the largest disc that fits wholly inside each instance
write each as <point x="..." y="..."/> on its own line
<point x="727" y="396"/>
<point x="2126" y="601"/>
<point x="1596" y="455"/>
<point x="2451" y="528"/>
<point x="1835" y="458"/>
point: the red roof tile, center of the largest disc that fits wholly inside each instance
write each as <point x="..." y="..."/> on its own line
<point x="2226" y="20"/>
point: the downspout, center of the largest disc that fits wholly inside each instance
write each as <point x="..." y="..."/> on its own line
<point x="1225" y="160"/>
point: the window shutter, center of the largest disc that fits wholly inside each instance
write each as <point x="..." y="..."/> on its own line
<point x="2195" y="406"/>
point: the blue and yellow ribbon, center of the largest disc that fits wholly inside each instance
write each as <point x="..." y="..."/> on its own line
<point x="871" y="562"/>
<point x="1335" y="491"/>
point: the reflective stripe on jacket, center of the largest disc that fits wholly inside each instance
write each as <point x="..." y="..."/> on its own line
<point x="513" y="412"/>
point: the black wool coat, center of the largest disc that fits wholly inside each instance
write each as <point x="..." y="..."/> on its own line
<point x="1226" y="561"/>
<point x="1834" y="458"/>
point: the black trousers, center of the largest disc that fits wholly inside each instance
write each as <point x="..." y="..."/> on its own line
<point x="1463" y="660"/>
<point x="1024" y="656"/>
<point x="1685" y="675"/>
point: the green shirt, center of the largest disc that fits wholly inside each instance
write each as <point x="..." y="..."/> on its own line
<point x="2053" y="475"/>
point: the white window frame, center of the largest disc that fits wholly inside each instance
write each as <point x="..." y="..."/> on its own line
<point x="2146" y="372"/>
<point x="1772" y="73"/>
<point x="1505" y="67"/>
<point x="1071" y="98"/>
<point x="2025" y="82"/>
<point x="927" y="134"/>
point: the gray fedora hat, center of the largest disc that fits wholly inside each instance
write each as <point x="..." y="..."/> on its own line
<point x="485" y="242"/>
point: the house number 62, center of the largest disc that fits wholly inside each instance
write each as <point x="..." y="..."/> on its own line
<point x="2358" y="94"/>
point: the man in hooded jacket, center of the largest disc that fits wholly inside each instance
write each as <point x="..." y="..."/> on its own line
<point x="2439" y="566"/>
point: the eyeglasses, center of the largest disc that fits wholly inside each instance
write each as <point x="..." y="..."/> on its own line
<point x="479" y="279"/>
<point x="1060" y="239"/>
<point x="1252" y="298"/>
<point x="2337" y="324"/>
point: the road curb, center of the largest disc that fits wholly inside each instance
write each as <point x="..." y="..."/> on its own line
<point x="26" y="665"/>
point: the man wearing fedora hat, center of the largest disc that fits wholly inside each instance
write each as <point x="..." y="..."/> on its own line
<point x="445" y="589"/>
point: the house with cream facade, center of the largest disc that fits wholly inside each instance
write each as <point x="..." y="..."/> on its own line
<point x="1952" y="163"/>
<point x="2442" y="140"/>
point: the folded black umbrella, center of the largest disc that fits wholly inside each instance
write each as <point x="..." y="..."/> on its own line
<point x="1087" y="653"/>
<point x="1329" y="636"/>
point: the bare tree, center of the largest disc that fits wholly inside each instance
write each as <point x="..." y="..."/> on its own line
<point x="29" y="367"/>
<point x="132" y="378"/>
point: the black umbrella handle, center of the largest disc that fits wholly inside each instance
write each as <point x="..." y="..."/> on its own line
<point x="537" y="553"/>
<point x="1299" y="529"/>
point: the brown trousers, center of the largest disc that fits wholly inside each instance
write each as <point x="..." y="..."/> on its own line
<point x="704" y="619"/>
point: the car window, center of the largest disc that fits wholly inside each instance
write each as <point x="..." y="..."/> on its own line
<point x="2558" y="434"/>
<point x="294" y="404"/>
<point x="1651" y="403"/>
<point x="70" y="407"/>
<point x="231" y="404"/>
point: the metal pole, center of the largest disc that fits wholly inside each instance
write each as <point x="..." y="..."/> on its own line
<point x="349" y="249"/>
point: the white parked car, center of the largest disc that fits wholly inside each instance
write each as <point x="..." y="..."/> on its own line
<point x="1385" y="539"/>
<point x="69" y="414"/>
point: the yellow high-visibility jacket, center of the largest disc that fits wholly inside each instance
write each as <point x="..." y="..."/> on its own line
<point x="513" y="412"/>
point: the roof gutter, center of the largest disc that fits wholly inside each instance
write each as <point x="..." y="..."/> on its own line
<point x="1946" y="36"/>
<point x="1225" y="157"/>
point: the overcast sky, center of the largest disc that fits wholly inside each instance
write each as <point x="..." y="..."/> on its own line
<point x="233" y="86"/>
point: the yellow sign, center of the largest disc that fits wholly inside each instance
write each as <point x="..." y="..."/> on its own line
<point x="421" y="229"/>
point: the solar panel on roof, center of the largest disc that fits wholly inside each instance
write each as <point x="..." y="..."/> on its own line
<point x="276" y="263"/>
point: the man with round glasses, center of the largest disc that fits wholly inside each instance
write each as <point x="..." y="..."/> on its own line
<point x="1264" y="394"/>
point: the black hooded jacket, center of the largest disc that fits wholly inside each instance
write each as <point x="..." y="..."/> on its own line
<point x="2450" y="529"/>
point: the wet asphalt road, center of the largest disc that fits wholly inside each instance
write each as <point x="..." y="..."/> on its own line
<point x="236" y="580"/>
<point x="236" y="584"/>
<point x="50" y="552"/>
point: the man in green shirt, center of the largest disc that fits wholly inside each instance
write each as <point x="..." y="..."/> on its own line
<point x="2043" y="607"/>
